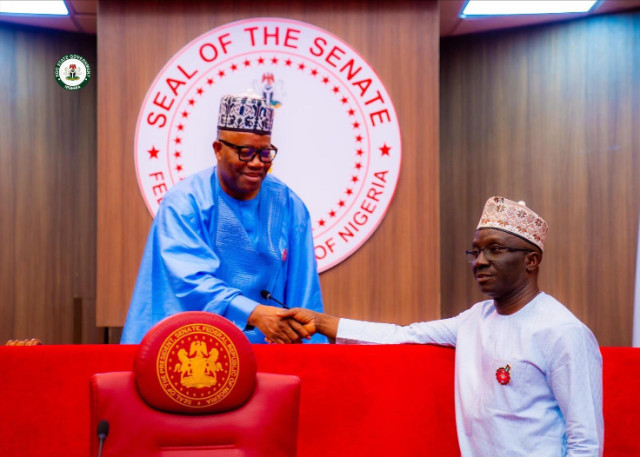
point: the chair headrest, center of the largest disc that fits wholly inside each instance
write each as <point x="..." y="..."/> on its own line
<point x="195" y="363"/>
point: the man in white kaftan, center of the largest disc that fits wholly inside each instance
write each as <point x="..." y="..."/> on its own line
<point x="528" y="378"/>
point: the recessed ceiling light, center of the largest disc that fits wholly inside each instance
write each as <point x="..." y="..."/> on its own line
<point x="50" y="7"/>
<point x="507" y="7"/>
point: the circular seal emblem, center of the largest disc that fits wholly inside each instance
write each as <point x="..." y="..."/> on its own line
<point x="335" y="126"/>
<point x="198" y="365"/>
<point x="72" y="72"/>
<point x="195" y="363"/>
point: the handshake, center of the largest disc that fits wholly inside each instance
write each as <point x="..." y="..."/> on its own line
<point x="287" y="326"/>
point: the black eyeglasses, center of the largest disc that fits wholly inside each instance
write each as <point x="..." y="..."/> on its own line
<point x="247" y="153"/>
<point x="491" y="253"/>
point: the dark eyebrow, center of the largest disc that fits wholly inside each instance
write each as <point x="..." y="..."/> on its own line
<point x="490" y="241"/>
<point x="260" y="148"/>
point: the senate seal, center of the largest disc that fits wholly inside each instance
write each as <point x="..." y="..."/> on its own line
<point x="198" y="365"/>
<point x="335" y="125"/>
<point x="72" y="72"/>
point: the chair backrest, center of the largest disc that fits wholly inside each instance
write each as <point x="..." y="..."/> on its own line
<point x="194" y="391"/>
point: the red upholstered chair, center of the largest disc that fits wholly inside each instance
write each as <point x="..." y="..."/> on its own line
<point x="194" y="392"/>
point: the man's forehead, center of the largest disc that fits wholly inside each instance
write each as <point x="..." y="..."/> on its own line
<point x="489" y="235"/>
<point x="241" y="138"/>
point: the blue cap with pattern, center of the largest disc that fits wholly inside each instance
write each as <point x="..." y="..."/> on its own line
<point x="245" y="113"/>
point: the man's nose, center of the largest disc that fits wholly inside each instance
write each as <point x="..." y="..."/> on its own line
<point x="481" y="259"/>
<point x="255" y="162"/>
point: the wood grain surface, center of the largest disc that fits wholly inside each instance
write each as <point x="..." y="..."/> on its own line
<point x="47" y="189"/>
<point x="548" y="115"/>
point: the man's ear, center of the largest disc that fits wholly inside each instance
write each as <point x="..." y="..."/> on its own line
<point x="217" y="147"/>
<point x="532" y="260"/>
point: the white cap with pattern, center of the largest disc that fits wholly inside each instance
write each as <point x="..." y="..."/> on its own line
<point x="509" y="216"/>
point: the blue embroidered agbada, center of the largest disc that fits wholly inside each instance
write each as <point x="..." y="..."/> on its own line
<point x="207" y="251"/>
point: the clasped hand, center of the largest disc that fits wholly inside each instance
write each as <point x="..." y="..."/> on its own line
<point x="283" y="326"/>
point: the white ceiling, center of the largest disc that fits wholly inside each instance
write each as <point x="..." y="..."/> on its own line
<point x="451" y="24"/>
<point x="83" y="17"/>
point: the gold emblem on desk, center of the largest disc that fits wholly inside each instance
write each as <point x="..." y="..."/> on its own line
<point x="197" y="365"/>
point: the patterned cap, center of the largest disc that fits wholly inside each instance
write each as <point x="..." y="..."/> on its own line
<point x="515" y="218"/>
<point x="245" y="113"/>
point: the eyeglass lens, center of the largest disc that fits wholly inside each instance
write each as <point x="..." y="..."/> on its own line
<point x="246" y="154"/>
<point x="490" y="254"/>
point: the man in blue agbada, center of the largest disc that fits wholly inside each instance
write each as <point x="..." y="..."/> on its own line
<point x="226" y="234"/>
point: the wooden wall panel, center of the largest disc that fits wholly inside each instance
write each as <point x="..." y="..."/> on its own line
<point x="47" y="188"/>
<point x="395" y="275"/>
<point x="548" y="115"/>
